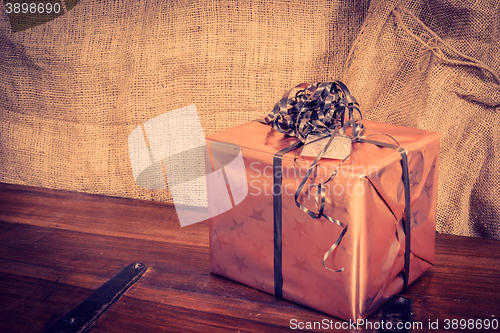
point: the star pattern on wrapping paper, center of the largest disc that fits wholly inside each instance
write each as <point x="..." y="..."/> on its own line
<point x="258" y="252"/>
<point x="257" y="215"/>
<point x="221" y="270"/>
<point x="321" y="291"/>
<point x="240" y="262"/>
<point x="414" y="218"/>
<point x="415" y="175"/>
<point x="300" y="265"/>
<point x="219" y="203"/>
<point x="414" y="178"/>
<point x="238" y="191"/>
<point x="259" y="284"/>
<point x="320" y="252"/>
<point x="427" y="190"/>
<point x="300" y="228"/>
<point x="282" y="241"/>
<point x="283" y="207"/>
<point x="238" y="227"/>
<point x="220" y="239"/>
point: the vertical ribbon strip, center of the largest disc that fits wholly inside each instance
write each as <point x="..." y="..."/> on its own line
<point x="277" y="204"/>
<point x="406" y="183"/>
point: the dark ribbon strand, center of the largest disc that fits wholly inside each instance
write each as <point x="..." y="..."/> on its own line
<point x="277" y="203"/>
<point x="321" y="109"/>
<point x="406" y="183"/>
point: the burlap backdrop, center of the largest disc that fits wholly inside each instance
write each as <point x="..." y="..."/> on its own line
<point x="73" y="89"/>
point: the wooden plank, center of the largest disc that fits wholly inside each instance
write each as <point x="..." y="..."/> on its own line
<point x="96" y="214"/>
<point x="29" y="303"/>
<point x="56" y="247"/>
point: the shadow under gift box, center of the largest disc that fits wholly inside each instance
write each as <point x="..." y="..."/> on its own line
<point x="367" y="195"/>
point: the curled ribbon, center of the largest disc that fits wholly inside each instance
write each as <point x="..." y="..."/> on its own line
<point x="324" y="109"/>
<point x="319" y="109"/>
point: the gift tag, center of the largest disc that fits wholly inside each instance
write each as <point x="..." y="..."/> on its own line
<point x="340" y="147"/>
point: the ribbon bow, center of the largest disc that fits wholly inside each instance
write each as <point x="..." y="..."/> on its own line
<point x="319" y="109"/>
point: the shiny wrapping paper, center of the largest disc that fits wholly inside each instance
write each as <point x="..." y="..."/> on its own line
<point x="367" y="196"/>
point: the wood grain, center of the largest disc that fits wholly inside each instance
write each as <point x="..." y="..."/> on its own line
<point x="56" y="247"/>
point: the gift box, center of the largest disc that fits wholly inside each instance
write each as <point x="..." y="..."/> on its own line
<point x="375" y="232"/>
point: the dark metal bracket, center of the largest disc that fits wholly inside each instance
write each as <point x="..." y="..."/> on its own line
<point x="83" y="317"/>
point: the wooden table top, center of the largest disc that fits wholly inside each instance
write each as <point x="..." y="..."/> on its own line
<point x="57" y="247"/>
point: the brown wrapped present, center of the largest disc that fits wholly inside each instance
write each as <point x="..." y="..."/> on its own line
<point x="344" y="248"/>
